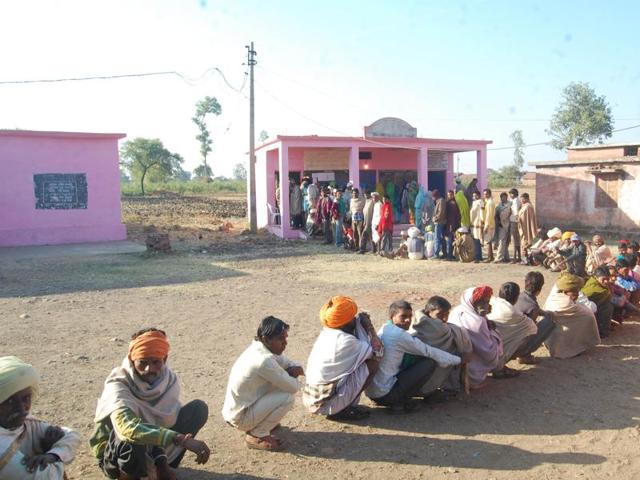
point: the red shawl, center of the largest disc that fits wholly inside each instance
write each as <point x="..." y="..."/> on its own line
<point x="386" y="218"/>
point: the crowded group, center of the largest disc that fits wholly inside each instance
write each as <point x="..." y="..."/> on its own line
<point x="419" y="354"/>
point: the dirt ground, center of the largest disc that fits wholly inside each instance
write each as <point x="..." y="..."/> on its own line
<point x="562" y="419"/>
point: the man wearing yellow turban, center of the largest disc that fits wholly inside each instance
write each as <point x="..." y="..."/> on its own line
<point x="139" y="418"/>
<point x="30" y="449"/>
<point x="577" y="329"/>
<point x="342" y="363"/>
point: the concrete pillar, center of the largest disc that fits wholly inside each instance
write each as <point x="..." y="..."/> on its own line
<point x="354" y="166"/>
<point x="423" y="168"/>
<point x="450" y="171"/>
<point x="283" y="161"/>
<point x="481" y="168"/>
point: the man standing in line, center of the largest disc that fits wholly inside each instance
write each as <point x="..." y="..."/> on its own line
<point x="452" y="213"/>
<point x="503" y="214"/>
<point x="489" y="228"/>
<point x="440" y="222"/>
<point x="357" y="216"/>
<point x="368" y="222"/>
<point x="324" y="213"/>
<point x="338" y="211"/>
<point x="527" y="223"/>
<point x="513" y="225"/>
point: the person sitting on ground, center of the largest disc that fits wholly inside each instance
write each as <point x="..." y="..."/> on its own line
<point x="634" y="259"/>
<point x="401" y="251"/>
<point x="597" y="290"/>
<point x="577" y="329"/>
<point x="415" y="244"/>
<point x="575" y="257"/>
<point x="141" y="427"/>
<point x="471" y="315"/>
<point x="429" y="242"/>
<point x="555" y="258"/>
<point x="598" y="254"/>
<point x="626" y="280"/>
<point x="464" y="247"/>
<point x="342" y="362"/>
<point x="622" y="307"/>
<point x="623" y="250"/>
<point x="347" y="234"/>
<point x="527" y="304"/>
<point x="262" y="386"/>
<point x="430" y="325"/>
<point x="515" y="328"/>
<point x="532" y="253"/>
<point x="30" y="449"/>
<point x="392" y="386"/>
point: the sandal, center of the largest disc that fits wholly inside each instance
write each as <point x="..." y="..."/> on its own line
<point x="506" y="372"/>
<point x="528" y="360"/>
<point x="268" y="443"/>
<point x="350" y="414"/>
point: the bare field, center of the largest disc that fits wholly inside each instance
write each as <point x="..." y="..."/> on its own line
<point x="562" y="419"/>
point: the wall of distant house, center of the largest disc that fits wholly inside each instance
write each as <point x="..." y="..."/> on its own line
<point x="25" y="154"/>
<point x="567" y="197"/>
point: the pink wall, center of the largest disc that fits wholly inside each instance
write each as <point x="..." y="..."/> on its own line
<point x="25" y="153"/>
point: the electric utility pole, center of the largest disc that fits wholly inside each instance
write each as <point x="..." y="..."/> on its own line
<point x="251" y="178"/>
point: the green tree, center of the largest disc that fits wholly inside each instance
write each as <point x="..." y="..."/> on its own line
<point x="518" y="149"/>
<point x="263" y="136"/>
<point x="206" y="106"/>
<point x="203" y="171"/>
<point x="142" y="156"/>
<point x="240" y="171"/>
<point x="510" y="175"/>
<point x="582" y="118"/>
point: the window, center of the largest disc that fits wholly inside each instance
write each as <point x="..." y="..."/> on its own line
<point x="607" y="185"/>
<point x="365" y="155"/>
<point x="631" y="151"/>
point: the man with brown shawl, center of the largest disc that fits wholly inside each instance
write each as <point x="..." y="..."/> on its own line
<point x="577" y="329"/>
<point x="527" y="222"/>
<point x="597" y="254"/>
<point x="430" y="325"/>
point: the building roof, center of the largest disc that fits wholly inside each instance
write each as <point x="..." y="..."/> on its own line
<point x="43" y="133"/>
<point x="380" y="142"/>
<point x="604" y="146"/>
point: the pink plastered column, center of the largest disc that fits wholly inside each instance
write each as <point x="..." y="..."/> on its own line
<point x="450" y="171"/>
<point x="283" y="161"/>
<point x="423" y="168"/>
<point x="354" y="166"/>
<point x="481" y="168"/>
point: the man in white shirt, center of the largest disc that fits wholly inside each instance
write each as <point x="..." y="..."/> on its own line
<point x="30" y="449"/>
<point x="392" y="385"/>
<point x="262" y="386"/>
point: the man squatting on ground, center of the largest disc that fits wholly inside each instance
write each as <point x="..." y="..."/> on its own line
<point x="343" y="361"/>
<point x="141" y="426"/>
<point x="262" y="386"/>
<point x="30" y="449"/>
<point x="393" y="386"/>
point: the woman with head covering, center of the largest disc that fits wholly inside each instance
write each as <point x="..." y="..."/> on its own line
<point x="576" y="327"/>
<point x="262" y="386"/>
<point x="471" y="315"/>
<point x="342" y="362"/>
<point x="30" y="449"/>
<point x="417" y="208"/>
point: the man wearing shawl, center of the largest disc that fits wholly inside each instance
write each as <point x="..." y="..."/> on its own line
<point x="262" y="386"/>
<point x="431" y="326"/>
<point x="471" y="315"/>
<point x="503" y="213"/>
<point x="141" y="425"/>
<point x="489" y="223"/>
<point x="596" y="288"/>
<point x="394" y="386"/>
<point x="385" y="227"/>
<point x="30" y="449"/>
<point x="514" y="327"/>
<point x="597" y="253"/>
<point x="342" y="363"/>
<point x="527" y="222"/>
<point x="452" y="214"/>
<point x="577" y="329"/>
<point x="516" y="204"/>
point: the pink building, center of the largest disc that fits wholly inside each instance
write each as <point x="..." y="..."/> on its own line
<point x="389" y="151"/>
<point x="59" y="187"/>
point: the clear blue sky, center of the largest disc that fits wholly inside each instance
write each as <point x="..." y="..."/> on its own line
<point x="474" y="69"/>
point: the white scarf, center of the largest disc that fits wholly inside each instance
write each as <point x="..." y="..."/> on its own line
<point x="157" y="404"/>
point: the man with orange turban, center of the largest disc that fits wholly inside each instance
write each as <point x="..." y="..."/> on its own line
<point x="140" y="423"/>
<point x="343" y="361"/>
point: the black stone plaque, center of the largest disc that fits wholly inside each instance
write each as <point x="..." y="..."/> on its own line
<point x="60" y="191"/>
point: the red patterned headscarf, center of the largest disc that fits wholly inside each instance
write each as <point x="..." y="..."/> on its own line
<point x="482" y="292"/>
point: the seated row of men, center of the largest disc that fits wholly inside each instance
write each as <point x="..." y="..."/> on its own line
<point x="143" y="429"/>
